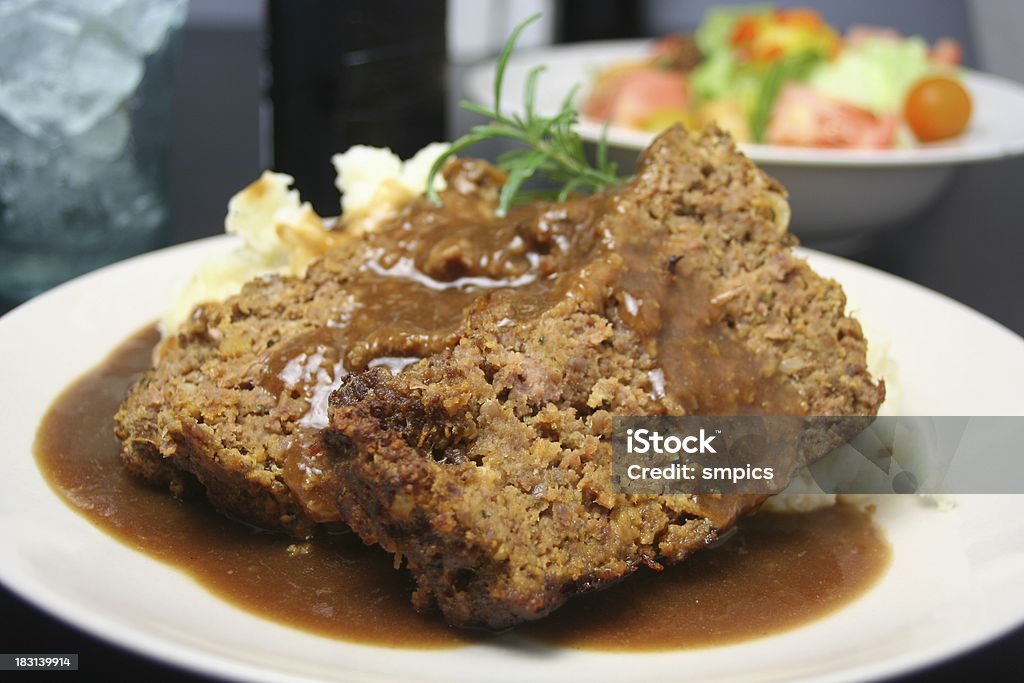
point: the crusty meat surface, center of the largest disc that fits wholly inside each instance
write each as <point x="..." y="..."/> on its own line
<point x="232" y="408"/>
<point x="486" y="466"/>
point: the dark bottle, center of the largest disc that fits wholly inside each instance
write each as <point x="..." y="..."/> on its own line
<point x="346" y="72"/>
<point x="581" y="20"/>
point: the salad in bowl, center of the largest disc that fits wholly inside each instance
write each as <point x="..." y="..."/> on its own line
<point x="786" y="77"/>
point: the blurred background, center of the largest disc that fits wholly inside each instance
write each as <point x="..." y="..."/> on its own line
<point x="225" y="88"/>
<point x="391" y="73"/>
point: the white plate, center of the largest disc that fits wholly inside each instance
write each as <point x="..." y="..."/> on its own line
<point x="956" y="579"/>
<point x="834" y="192"/>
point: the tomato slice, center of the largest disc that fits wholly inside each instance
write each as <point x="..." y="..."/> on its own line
<point x="634" y="96"/>
<point x="806" y="118"/>
<point x="937" y="108"/>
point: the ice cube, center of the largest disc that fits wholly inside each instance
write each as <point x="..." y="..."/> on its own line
<point x="106" y="140"/>
<point x="145" y="24"/>
<point x="72" y="202"/>
<point x="69" y="64"/>
<point x="34" y="52"/>
<point x="103" y="75"/>
<point x="142" y="24"/>
<point x="9" y="8"/>
<point x="78" y="185"/>
<point x="84" y="8"/>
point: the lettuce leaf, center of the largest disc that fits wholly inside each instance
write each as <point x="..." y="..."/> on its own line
<point x="794" y="67"/>
<point x="716" y="28"/>
<point x="876" y="74"/>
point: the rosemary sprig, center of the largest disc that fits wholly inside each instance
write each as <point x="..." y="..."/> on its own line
<point x="551" y="148"/>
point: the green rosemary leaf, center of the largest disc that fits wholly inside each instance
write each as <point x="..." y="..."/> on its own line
<point x="602" y="149"/>
<point x="531" y="93"/>
<point x="551" y="147"/>
<point x="517" y="175"/>
<point x="528" y="194"/>
<point x="486" y="112"/>
<point x="462" y="143"/>
<point x="506" y="53"/>
<point x="568" y="105"/>
<point x="570" y="187"/>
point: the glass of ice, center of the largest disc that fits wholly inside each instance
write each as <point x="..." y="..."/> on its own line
<point x="84" y="115"/>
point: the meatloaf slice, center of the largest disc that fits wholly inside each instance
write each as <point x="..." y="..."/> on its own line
<point x="233" y="405"/>
<point x="487" y="465"/>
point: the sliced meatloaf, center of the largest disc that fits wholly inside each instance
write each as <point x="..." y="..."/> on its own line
<point x="233" y="408"/>
<point x="486" y="465"/>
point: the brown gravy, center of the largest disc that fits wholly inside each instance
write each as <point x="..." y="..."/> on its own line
<point x="775" y="573"/>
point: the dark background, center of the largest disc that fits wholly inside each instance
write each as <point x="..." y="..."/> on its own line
<point x="969" y="245"/>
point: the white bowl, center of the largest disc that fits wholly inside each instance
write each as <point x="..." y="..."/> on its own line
<point x="836" y="194"/>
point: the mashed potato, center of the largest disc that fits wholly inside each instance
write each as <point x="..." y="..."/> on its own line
<point x="277" y="233"/>
<point x="371" y="176"/>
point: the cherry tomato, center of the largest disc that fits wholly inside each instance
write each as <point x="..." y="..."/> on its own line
<point x="937" y="108"/>
<point x="746" y="31"/>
